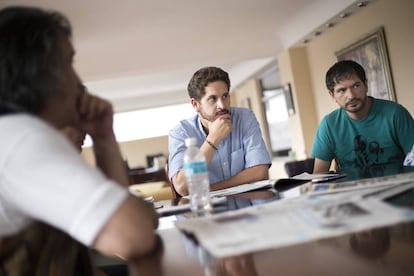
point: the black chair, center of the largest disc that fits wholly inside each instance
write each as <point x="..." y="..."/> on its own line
<point x="293" y="168"/>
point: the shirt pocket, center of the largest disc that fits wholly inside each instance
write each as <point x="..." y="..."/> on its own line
<point x="237" y="161"/>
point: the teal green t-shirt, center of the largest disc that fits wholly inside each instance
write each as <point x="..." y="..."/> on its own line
<point x="373" y="146"/>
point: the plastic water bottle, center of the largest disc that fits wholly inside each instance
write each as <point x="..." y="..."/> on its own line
<point x="196" y="174"/>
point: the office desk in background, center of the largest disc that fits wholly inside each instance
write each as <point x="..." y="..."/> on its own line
<point x="144" y="175"/>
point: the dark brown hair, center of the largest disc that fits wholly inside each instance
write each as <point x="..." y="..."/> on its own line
<point x="30" y="57"/>
<point x="203" y="77"/>
<point x="342" y="70"/>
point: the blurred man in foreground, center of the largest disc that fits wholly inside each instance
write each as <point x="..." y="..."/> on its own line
<point x="42" y="176"/>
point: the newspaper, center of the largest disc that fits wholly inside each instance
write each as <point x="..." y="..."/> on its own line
<point x="270" y="183"/>
<point x="294" y="221"/>
<point x="360" y="185"/>
<point x="244" y="188"/>
<point x="165" y="208"/>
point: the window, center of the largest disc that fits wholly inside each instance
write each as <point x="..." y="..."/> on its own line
<point x="147" y="123"/>
<point x="278" y="107"/>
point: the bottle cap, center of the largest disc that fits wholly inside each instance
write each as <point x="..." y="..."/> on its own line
<point x="192" y="141"/>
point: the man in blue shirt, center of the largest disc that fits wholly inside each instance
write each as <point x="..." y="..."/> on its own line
<point x="229" y="137"/>
<point x="367" y="137"/>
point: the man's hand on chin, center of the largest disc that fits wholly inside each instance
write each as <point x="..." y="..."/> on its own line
<point x="220" y="128"/>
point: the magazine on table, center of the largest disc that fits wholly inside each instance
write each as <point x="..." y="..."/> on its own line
<point x="275" y="183"/>
<point x="293" y="221"/>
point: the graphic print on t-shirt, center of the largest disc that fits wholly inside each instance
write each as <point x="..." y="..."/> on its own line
<point x="367" y="157"/>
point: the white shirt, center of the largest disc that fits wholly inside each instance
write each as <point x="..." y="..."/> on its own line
<point x="43" y="177"/>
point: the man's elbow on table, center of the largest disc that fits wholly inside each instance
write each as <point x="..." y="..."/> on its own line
<point x="180" y="184"/>
<point x="130" y="232"/>
<point x="263" y="172"/>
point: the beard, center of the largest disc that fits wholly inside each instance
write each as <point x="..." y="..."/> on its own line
<point x="212" y="118"/>
<point x="355" y="105"/>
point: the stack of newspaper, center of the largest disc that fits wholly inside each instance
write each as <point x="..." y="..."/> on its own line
<point x="367" y="204"/>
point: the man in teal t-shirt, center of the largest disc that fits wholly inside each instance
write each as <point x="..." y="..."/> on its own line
<point x="366" y="136"/>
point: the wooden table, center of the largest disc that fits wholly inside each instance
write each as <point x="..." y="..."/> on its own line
<point x="390" y="251"/>
<point x="382" y="251"/>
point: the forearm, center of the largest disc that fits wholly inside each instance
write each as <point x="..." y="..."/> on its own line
<point x="179" y="180"/>
<point x="249" y="175"/>
<point x="130" y="232"/>
<point x="96" y="119"/>
<point x="150" y="264"/>
<point x="321" y="166"/>
<point x="180" y="183"/>
<point x="109" y="159"/>
<point x="209" y="150"/>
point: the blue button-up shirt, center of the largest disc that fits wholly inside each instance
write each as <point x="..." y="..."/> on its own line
<point x="241" y="149"/>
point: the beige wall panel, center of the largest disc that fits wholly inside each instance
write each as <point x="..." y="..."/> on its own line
<point x="395" y="16"/>
<point x="136" y="151"/>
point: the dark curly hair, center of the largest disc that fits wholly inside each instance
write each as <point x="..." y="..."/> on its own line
<point x="342" y="70"/>
<point x="30" y="57"/>
<point x="203" y="77"/>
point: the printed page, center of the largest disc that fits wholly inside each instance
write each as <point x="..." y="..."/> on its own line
<point x="292" y="221"/>
<point x="164" y="208"/>
<point x="320" y="177"/>
<point x="244" y="188"/>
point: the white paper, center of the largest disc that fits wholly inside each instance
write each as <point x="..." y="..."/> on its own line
<point x="266" y="184"/>
<point x="244" y="188"/>
<point x="309" y="176"/>
<point x="165" y="208"/>
<point x="359" y="186"/>
<point x="293" y="221"/>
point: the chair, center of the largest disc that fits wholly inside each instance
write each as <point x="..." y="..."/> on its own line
<point x="293" y="168"/>
<point x="174" y="192"/>
<point x="159" y="190"/>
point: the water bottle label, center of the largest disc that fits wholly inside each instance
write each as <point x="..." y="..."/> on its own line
<point x="193" y="168"/>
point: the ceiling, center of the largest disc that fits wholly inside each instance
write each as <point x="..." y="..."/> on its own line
<point x="142" y="53"/>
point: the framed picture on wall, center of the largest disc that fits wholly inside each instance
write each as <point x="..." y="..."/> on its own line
<point x="371" y="52"/>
